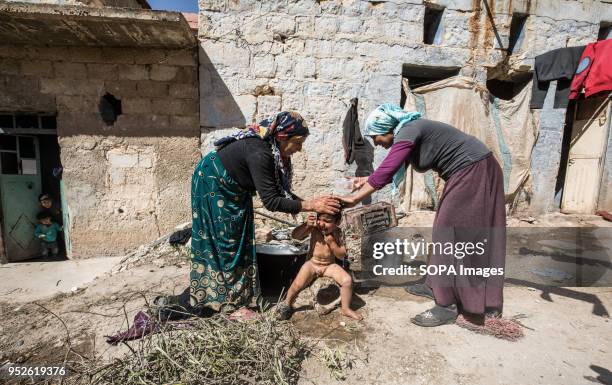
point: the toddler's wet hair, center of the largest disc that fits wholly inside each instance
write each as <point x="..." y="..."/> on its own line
<point x="335" y="217"/>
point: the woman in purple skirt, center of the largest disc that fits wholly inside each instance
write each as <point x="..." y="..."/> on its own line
<point x="465" y="279"/>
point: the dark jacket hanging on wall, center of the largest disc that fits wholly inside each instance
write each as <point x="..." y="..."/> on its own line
<point x="559" y="64"/>
<point x="351" y="135"/>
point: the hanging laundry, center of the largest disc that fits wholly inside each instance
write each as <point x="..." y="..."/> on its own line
<point x="351" y="135"/>
<point x="559" y="64"/>
<point x="594" y="73"/>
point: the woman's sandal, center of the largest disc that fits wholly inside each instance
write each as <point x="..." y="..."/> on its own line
<point x="436" y="316"/>
<point x="421" y="290"/>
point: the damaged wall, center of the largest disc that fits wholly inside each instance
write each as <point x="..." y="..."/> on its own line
<point x="314" y="56"/>
<point x="127" y="182"/>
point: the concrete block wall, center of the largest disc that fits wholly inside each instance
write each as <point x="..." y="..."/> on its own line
<point x="314" y="56"/>
<point x="125" y="183"/>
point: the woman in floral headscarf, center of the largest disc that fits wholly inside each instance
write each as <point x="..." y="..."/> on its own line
<point x="224" y="272"/>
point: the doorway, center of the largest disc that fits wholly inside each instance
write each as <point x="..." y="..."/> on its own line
<point x="586" y="156"/>
<point x="29" y="166"/>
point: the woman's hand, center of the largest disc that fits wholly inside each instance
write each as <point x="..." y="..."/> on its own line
<point x="348" y="200"/>
<point x="322" y="205"/>
<point x="358" y="182"/>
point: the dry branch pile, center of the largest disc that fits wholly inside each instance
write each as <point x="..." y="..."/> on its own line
<point x="206" y="351"/>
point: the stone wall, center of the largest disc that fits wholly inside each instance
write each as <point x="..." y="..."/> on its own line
<point x="129" y="182"/>
<point x="314" y="56"/>
<point x="91" y="3"/>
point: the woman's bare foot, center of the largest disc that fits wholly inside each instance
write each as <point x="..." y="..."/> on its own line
<point x="352" y="314"/>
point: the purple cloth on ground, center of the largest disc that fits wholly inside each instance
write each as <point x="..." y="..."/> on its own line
<point x="397" y="156"/>
<point x="142" y="326"/>
<point x="472" y="207"/>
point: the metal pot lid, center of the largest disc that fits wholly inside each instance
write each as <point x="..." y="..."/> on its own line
<point x="279" y="249"/>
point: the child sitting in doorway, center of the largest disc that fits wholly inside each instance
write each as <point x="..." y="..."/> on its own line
<point x="325" y="246"/>
<point x="46" y="231"/>
<point x="48" y="204"/>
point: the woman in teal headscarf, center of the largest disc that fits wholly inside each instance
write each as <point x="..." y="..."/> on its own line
<point x="471" y="208"/>
<point x="224" y="274"/>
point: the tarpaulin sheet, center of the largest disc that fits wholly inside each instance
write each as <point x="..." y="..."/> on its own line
<point x="507" y="127"/>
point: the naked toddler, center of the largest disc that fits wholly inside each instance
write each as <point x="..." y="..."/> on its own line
<point x="325" y="246"/>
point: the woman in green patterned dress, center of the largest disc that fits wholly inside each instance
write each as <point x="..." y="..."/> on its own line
<point x="224" y="273"/>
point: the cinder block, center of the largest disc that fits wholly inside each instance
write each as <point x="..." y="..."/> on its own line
<point x="187" y="58"/>
<point x="175" y="106"/>
<point x="69" y="70"/>
<point x="151" y="56"/>
<point x="163" y="73"/>
<point x="21" y="85"/>
<point x="13" y="51"/>
<point x="142" y="122"/>
<point x="71" y="86"/>
<point x="102" y="71"/>
<point x="185" y="123"/>
<point x="9" y="66"/>
<point x="152" y="89"/>
<point x="77" y="103"/>
<point x="85" y="54"/>
<point x="183" y="91"/>
<point x="187" y="75"/>
<point x="48" y="53"/>
<point x="118" y="55"/>
<point x="133" y="72"/>
<point x="122" y="88"/>
<point x="136" y="106"/>
<point x="77" y="123"/>
<point x="43" y="69"/>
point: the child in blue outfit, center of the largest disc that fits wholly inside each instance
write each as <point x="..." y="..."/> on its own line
<point x="46" y="231"/>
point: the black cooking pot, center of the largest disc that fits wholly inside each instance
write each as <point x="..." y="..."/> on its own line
<point x="278" y="265"/>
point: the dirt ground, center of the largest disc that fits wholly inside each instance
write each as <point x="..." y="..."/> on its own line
<point x="568" y="333"/>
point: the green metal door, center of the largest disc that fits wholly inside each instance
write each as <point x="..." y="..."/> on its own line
<point x="66" y="220"/>
<point x="20" y="185"/>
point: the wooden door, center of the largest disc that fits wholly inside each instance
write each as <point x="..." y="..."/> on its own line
<point x="586" y="156"/>
<point x="20" y="185"/>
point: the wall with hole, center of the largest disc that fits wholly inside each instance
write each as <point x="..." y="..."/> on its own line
<point x="128" y="130"/>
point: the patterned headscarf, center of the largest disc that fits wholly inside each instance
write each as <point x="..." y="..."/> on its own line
<point x="281" y="127"/>
<point x="386" y="118"/>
